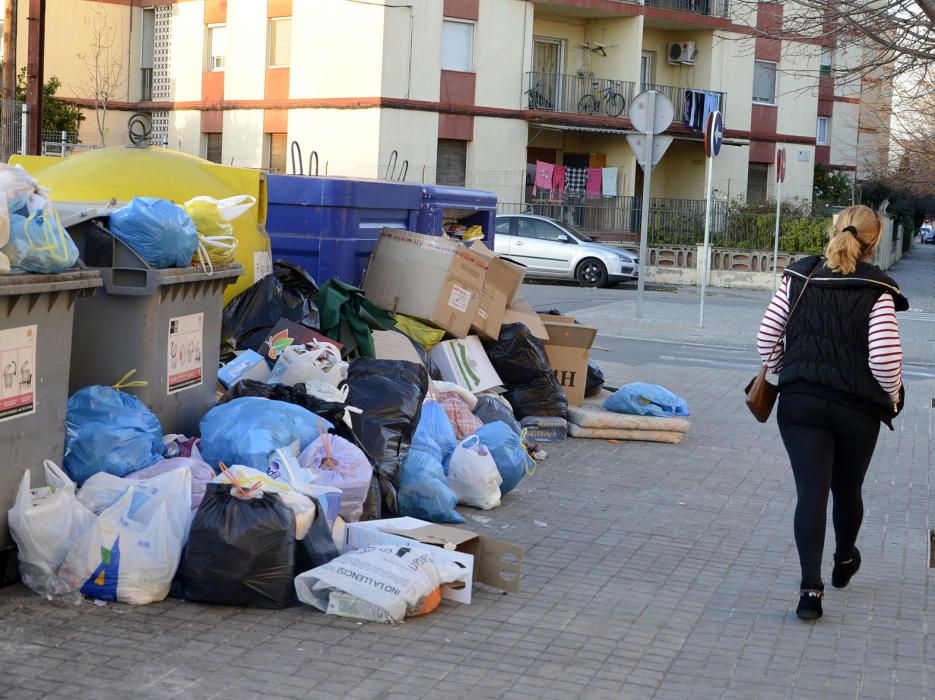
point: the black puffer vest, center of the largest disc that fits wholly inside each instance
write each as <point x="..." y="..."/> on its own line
<point x="826" y="345"/>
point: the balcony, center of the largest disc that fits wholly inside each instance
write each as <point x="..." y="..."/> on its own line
<point x="677" y="96"/>
<point x="712" y="8"/>
<point x="578" y="94"/>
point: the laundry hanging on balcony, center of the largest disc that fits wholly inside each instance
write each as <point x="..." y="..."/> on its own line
<point x="609" y="182"/>
<point x="698" y="104"/>
<point x="576" y="179"/>
<point x="593" y="188"/>
<point x="558" y="183"/>
<point x="544" y="173"/>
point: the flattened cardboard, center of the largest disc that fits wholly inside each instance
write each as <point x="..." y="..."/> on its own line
<point x="501" y="286"/>
<point x="391" y="345"/>
<point x="465" y="363"/>
<point x="568" y="348"/>
<point x="427" y="277"/>
<point x="521" y="312"/>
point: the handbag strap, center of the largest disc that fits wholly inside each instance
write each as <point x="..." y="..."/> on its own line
<point x="792" y="310"/>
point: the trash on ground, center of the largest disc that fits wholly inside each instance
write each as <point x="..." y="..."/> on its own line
<point x="464" y="362"/>
<point x="520" y="360"/>
<point x="643" y="399"/>
<point x="567" y="348"/>
<point x="473" y="475"/>
<point x="592" y="421"/>
<point x="334" y="461"/>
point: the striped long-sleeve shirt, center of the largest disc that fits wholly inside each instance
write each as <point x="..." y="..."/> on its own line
<point x="886" y="352"/>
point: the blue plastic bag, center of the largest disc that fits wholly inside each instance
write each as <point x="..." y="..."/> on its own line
<point x="491" y="410"/>
<point x="161" y="232"/>
<point x="434" y="433"/>
<point x="513" y="461"/>
<point x="39" y="243"/>
<point x="249" y="429"/>
<point x="646" y="400"/>
<point x="109" y="431"/>
<point x="424" y="491"/>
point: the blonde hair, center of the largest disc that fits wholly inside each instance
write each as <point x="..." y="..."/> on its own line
<point x="845" y="247"/>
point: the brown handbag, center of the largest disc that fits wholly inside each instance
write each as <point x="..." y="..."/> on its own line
<point x="761" y="394"/>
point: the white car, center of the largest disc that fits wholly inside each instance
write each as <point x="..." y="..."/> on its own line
<point x="927" y="234"/>
<point x="553" y="250"/>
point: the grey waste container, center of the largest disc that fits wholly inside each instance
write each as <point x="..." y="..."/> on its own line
<point x="36" y="320"/>
<point x="165" y="324"/>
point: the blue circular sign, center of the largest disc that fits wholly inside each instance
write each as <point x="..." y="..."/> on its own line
<point x="714" y="134"/>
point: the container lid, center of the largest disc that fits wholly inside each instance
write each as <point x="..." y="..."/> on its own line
<point x="343" y="192"/>
<point x="22" y="283"/>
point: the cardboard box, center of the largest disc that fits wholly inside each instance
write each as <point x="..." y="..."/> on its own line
<point x="428" y="277"/>
<point x="568" y="347"/>
<point x="247" y="365"/>
<point x="287" y="333"/>
<point x="393" y="345"/>
<point x="464" y="362"/>
<point x="485" y="559"/>
<point x="501" y="286"/>
<point x="519" y="311"/>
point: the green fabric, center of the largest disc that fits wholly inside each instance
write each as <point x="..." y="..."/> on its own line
<point x="350" y="318"/>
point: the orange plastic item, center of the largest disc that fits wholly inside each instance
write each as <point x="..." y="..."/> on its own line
<point x="432" y="601"/>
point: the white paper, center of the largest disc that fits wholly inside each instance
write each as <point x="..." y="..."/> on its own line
<point x="460" y="298"/>
<point x="262" y="265"/>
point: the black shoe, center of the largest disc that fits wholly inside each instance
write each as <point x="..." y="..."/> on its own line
<point x="809" y="604"/>
<point x="843" y="570"/>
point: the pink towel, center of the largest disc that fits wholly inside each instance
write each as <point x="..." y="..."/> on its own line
<point x="593" y="188"/>
<point x="558" y="183"/>
<point x="543" y="176"/>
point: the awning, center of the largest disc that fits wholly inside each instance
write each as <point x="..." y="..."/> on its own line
<point x="697" y="137"/>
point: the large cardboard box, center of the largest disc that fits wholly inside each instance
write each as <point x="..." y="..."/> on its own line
<point x="568" y="347"/>
<point x="485" y="559"/>
<point x="519" y="311"/>
<point x="501" y="286"/>
<point x="465" y="363"/>
<point x="428" y="277"/>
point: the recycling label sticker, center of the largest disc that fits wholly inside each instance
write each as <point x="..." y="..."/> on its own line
<point x="184" y="353"/>
<point x="17" y="372"/>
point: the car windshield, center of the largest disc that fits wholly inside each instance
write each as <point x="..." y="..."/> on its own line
<point x="576" y="232"/>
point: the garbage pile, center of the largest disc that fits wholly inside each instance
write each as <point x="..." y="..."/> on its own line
<point x="349" y="426"/>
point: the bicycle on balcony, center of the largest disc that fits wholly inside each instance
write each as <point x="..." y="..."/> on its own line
<point x="612" y="101"/>
<point x="537" y="100"/>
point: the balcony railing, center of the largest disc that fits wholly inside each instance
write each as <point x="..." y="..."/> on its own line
<point x="146" y="84"/>
<point x="677" y="95"/>
<point x="715" y="8"/>
<point x="578" y="94"/>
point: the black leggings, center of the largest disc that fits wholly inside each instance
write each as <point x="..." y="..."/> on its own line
<point x="830" y="446"/>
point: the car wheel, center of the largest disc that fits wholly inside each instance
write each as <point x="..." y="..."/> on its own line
<point x="591" y="272"/>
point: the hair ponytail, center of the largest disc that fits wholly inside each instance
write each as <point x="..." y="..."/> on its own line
<point x="854" y="236"/>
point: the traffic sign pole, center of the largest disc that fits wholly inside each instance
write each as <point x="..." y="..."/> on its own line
<point x="644" y="221"/>
<point x="780" y="176"/>
<point x="714" y="134"/>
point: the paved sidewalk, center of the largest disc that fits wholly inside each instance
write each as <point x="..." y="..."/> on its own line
<point x="733" y="316"/>
<point x="651" y="571"/>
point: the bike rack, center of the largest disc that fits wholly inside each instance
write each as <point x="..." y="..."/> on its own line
<point x="296" y="155"/>
<point x="390" y="173"/>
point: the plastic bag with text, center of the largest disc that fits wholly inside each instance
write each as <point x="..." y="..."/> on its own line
<point x="473" y="475"/>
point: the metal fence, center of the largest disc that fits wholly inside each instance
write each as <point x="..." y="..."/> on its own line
<point x="677" y="96"/>
<point x="14" y="126"/>
<point x="62" y="143"/>
<point x="677" y="222"/>
<point x="581" y="94"/>
<point x="716" y="8"/>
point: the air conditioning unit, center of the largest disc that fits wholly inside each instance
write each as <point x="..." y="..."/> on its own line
<point x="682" y="52"/>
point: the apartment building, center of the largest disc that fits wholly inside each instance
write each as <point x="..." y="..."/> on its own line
<point x="473" y="92"/>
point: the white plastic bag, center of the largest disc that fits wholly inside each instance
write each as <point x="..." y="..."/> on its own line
<point x="201" y="472"/>
<point x="284" y="466"/>
<point x="125" y="559"/>
<point x="302" y="506"/>
<point x="174" y="489"/>
<point x="334" y="461"/>
<point x="312" y="362"/>
<point x="21" y="189"/>
<point x="44" y="523"/>
<point x="381" y="584"/>
<point x="473" y="475"/>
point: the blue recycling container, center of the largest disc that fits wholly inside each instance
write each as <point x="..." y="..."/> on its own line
<point x="442" y="203"/>
<point x="329" y="225"/>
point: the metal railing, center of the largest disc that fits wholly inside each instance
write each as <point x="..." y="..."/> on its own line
<point x="679" y="222"/>
<point x="715" y="8"/>
<point x="13" y="128"/>
<point x="62" y="143"/>
<point x="677" y="96"/>
<point x="580" y="94"/>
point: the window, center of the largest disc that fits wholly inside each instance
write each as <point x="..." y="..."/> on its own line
<point x="147" y="52"/>
<point x="826" y="60"/>
<point x="821" y="135"/>
<point x="213" y="147"/>
<point x="276" y="152"/>
<point x="217" y="46"/>
<point x="457" y="46"/>
<point x="764" y="82"/>
<point x="280" y="42"/>
<point x="542" y="230"/>
<point x="503" y="226"/>
<point x="757" y="177"/>
<point x="451" y="162"/>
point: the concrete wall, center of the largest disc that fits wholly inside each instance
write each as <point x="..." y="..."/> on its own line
<point x="732" y="73"/>
<point x="188" y="50"/>
<point x="414" y="135"/>
<point x="347" y="141"/>
<point x="415" y="30"/>
<point x="796" y="89"/>
<point x="502" y="49"/>
<point x="242" y="139"/>
<point x="185" y="132"/>
<point x="844" y="123"/>
<point x="496" y="159"/>
<point x="572" y="31"/>
<point x="245" y="62"/>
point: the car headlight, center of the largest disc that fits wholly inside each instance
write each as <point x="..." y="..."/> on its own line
<point x="626" y="259"/>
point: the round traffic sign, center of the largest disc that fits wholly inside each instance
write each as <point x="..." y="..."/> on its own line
<point x="780" y="165"/>
<point x="663" y="112"/>
<point x="713" y="134"/>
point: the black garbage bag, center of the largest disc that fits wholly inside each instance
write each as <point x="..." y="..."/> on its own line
<point x="250" y="316"/>
<point x="390" y="394"/>
<point x="595" y="379"/>
<point x="430" y="366"/>
<point x="531" y="387"/>
<point x="243" y="552"/>
<point x="329" y="410"/>
<point x="491" y="410"/>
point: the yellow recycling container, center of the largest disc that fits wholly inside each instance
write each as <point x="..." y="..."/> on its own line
<point x="124" y="172"/>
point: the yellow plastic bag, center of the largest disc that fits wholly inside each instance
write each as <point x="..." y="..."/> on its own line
<point x="425" y="335"/>
<point x="212" y="219"/>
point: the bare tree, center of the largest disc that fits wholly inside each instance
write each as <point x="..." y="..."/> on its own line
<point x="103" y="62"/>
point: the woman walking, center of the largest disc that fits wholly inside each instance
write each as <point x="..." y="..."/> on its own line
<point x="840" y="375"/>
